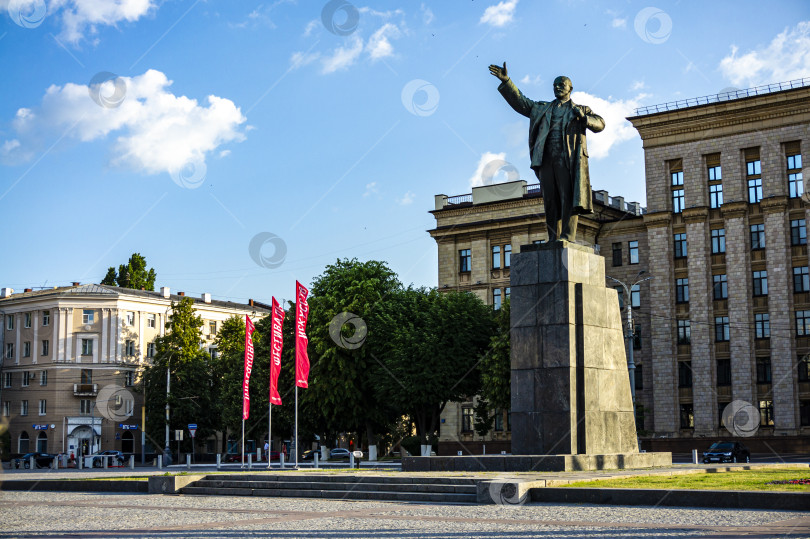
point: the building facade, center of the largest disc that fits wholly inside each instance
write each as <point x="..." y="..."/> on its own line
<point x="724" y="324"/>
<point x="73" y="356"/>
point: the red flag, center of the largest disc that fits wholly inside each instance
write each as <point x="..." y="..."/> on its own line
<point x="276" y="344"/>
<point x="301" y="341"/>
<point x="249" y="327"/>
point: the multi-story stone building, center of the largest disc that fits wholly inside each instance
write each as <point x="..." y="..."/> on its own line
<point x="726" y="315"/>
<point x="73" y="355"/>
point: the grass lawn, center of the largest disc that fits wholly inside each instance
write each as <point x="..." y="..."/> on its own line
<point x="738" y="480"/>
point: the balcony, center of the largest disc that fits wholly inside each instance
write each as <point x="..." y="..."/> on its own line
<point x="85" y="390"/>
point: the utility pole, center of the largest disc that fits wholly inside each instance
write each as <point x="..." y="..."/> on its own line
<point x="168" y="387"/>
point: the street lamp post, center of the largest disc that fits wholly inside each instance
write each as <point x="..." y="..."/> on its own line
<point x="631" y="366"/>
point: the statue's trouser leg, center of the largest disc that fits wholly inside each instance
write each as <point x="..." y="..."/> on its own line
<point x="565" y="190"/>
<point x="551" y="198"/>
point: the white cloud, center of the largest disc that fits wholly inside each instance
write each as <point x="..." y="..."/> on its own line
<point x="619" y="23"/>
<point x="427" y="14"/>
<point x="406" y="199"/>
<point x="500" y="14"/>
<point x="477" y="179"/>
<point x="637" y="85"/>
<point x="536" y="80"/>
<point x="311" y="26"/>
<point x="155" y="131"/>
<point x="787" y="57"/>
<point x="300" y="59"/>
<point x="343" y="57"/>
<point x="83" y="17"/>
<point x="371" y="189"/>
<point x="378" y="45"/>
<point x="617" y="128"/>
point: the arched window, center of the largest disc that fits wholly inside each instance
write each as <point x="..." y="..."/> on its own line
<point x="127" y="442"/>
<point x="42" y="442"/>
<point x="22" y="446"/>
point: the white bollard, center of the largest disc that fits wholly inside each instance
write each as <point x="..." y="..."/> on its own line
<point x="160" y="462"/>
<point x="351" y="459"/>
<point x="106" y="462"/>
<point x="81" y="462"/>
<point x="694" y="456"/>
<point x="132" y="462"/>
<point x="250" y="461"/>
<point x="188" y="461"/>
<point x="484" y="448"/>
<point x="315" y="457"/>
<point x="281" y="459"/>
<point x="219" y="460"/>
<point x="258" y="454"/>
<point x="55" y="463"/>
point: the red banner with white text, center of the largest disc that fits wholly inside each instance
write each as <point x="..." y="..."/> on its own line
<point x="249" y="327"/>
<point x="301" y="341"/>
<point x="276" y="344"/>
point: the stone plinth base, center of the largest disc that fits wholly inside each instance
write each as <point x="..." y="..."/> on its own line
<point x="536" y="463"/>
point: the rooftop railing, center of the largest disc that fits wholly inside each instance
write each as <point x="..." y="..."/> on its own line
<point x="728" y="95"/>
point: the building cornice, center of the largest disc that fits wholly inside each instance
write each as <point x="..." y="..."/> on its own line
<point x="657" y="219"/>
<point x="696" y="215"/>
<point x="730" y="210"/>
<point x="775" y="204"/>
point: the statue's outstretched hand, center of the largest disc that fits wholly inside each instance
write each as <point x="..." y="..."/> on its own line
<point x="499" y="72"/>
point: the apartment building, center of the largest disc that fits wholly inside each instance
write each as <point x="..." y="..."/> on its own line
<point x="73" y="356"/>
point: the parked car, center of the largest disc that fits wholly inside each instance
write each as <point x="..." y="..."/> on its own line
<point x="113" y="458"/>
<point x="339" y="453"/>
<point x="726" y="452"/>
<point x="41" y="460"/>
<point x="309" y="454"/>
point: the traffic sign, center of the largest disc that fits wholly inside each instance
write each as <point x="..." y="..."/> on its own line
<point x="192" y="428"/>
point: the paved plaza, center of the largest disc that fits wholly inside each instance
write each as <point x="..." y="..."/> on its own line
<point x="57" y="514"/>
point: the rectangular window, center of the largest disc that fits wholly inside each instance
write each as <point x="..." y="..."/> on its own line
<point x="757" y="236"/>
<point x="26" y="381"/>
<point x="507" y="255"/>
<point x="9" y="350"/>
<point x="129" y="348"/>
<point x="637" y="337"/>
<point x="7" y="379"/>
<point x="87" y="376"/>
<point x="6" y="408"/>
<point x="27" y="320"/>
<point x="496" y="298"/>
<point x="87" y="316"/>
<point x="42" y="407"/>
<point x="635" y="296"/>
<point x="801" y="280"/>
<point x="720" y="286"/>
<point x="760" y="279"/>
<point x="46" y="347"/>
<point x="632" y="247"/>
<point x="150" y="350"/>
<point x="680" y="245"/>
<point x="763" y="370"/>
<point x="9" y="321"/>
<point x="496" y="257"/>
<point x="762" y="325"/>
<point x="798" y="232"/>
<point x="804" y="413"/>
<point x="24" y="407"/>
<point x="687" y="416"/>
<point x="87" y="347"/>
<point x="212" y="327"/>
<point x="639" y="376"/>
<point x="465" y="260"/>
<point x="620" y="290"/>
<point x="724" y="372"/>
<point x="85" y="407"/>
<point x="130" y="318"/>
<point x="467" y="419"/>
<point x="682" y="290"/>
<point x="754" y="177"/>
<point x="716" y="195"/>
<point x="151" y="320"/>
<point x="718" y="241"/>
<point x="794" y="170"/>
<point x="677" y="201"/>
<point x="498" y="421"/>
<point x="721" y="329"/>
<point x="765" y="413"/>
<point x="684" y="332"/>
<point x="617" y="255"/>
<point x="27" y="349"/>
<point x="802" y="323"/>
<point x="507" y="292"/>
<point x="677" y="178"/>
<point x="43" y="378"/>
<point x="46" y="318"/>
<point x="803" y="366"/>
<point x="684" y="374"/>
<point x="129" y="378"/>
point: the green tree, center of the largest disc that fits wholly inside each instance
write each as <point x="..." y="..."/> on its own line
<point x="430" y="346"/>
<point x="133" y="274"/>
<point x="496" y="372"/>
<point x="190" y="371"/>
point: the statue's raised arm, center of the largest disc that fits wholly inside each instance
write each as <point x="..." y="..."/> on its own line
<point x="499" y="72"/>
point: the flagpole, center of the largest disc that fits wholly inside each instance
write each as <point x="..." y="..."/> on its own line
<point x="269" y="432"/>
<point x="296" y="425"/>
<point x="243" y="442"/>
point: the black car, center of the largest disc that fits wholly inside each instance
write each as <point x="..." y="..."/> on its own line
<point x="41" y="460"/>
<point x="726" y="452"/>
<point x="113" y="458"/>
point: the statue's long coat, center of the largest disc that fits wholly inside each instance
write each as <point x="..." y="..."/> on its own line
<point x="539" y="114"/>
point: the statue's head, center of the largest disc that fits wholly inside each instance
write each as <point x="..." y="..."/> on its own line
<point x="562" y="88"/>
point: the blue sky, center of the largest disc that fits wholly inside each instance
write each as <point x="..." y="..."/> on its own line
<point x="240" y="146"/>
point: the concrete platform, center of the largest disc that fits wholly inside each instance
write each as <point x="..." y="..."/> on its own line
<point x="537" y="463"/>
